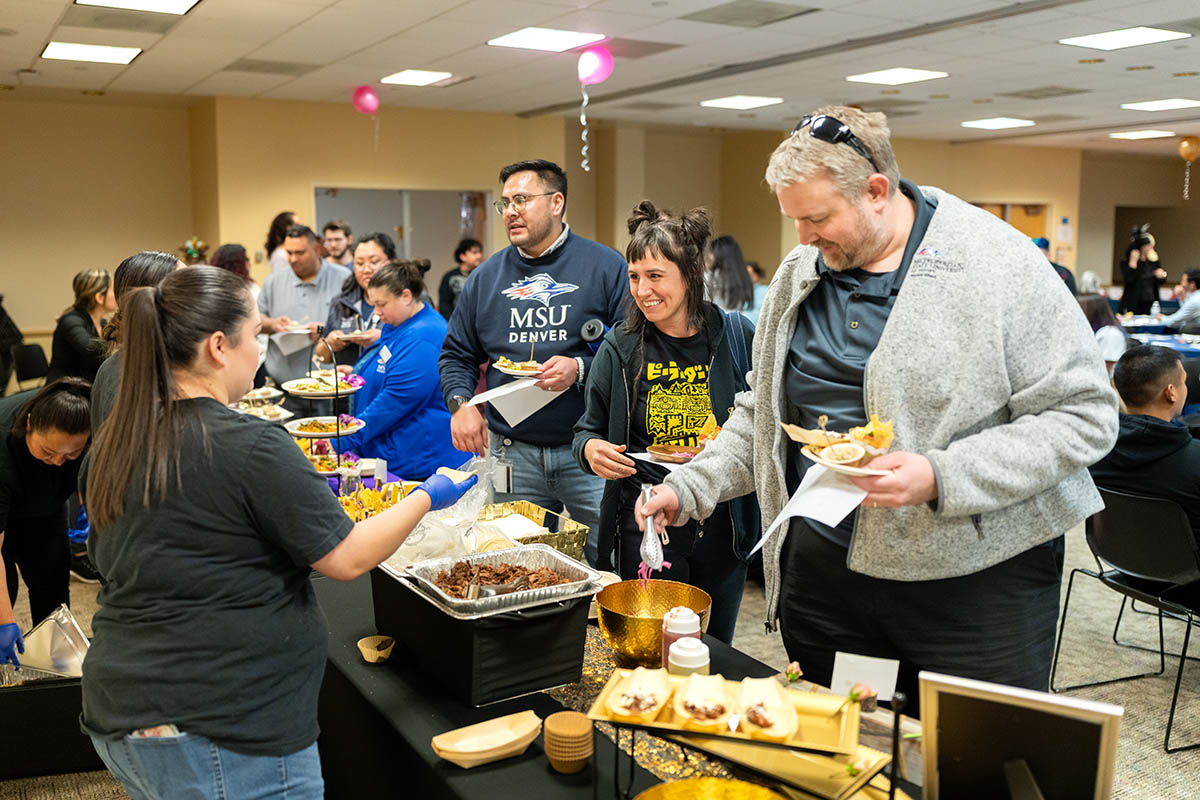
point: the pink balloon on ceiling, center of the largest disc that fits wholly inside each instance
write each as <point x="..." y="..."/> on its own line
<point x="365" y="100"/>
<point x="595" y="65"/>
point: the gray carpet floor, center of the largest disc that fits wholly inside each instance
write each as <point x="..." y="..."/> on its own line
<point x="1143" y="772"/>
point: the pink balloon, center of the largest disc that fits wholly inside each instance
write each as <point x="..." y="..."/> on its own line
<point x="365" y="100"/>
<point x="595" y="65"/>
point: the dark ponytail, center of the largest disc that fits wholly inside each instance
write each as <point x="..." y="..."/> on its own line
<point x="680" y="239"/>
<point x="147" y="268"/>
<point x="164" y="328"/>
<point x="64" y="405"/>
<point x="400" y="274"/>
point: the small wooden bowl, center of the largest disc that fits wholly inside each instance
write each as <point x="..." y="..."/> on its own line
<point x="376" y="649"/>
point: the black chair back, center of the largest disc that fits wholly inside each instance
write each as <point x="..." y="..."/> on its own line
<point x="1191" y="366"/>
<point x="29" y="361"/>
<point x="1146" y="537"/>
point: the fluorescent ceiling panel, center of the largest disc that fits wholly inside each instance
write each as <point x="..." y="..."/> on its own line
<point x="158" y="6"/>
<point x="1169" y="104"/>
<point x="897" y="76"/>
<point x="96" y="53"/>
<point x="741" y="102"/>
<point x="997" y="123"/>
<point x="1144" y="134"/>
<point x="1126" y="37"/>
<point x="415" y="77"/>
<point x="549" y="39"/>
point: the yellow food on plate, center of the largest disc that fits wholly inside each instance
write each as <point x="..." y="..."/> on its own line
<point x="520" y="366"/>
<point x="641" y="697"/>
<point x="875" y="434"/>
<point x="368" y="502"/>
<point x="703" y="702"/>
<point x="765" y="709"/>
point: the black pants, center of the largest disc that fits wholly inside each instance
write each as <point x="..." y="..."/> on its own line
<point x="700" y="555"/>
<point x="994" y="625"/>
<point x="39" y="548"/>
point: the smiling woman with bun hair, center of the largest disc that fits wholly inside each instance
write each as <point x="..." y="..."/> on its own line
<point x="655" y="380"/>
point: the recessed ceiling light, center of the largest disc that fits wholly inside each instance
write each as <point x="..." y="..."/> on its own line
<point x="160" y="6"/>
<point x="554" y="41"/>
<point x="996" y="123"/>
<point x="1146" y="134"/>
<point x="415" y="77"/>
<point x="1126" y="37"/>
<point x="1169" y="104"/>
<point x="741" y="102"/>
<point x="98" y="53"/>
<point x="897" y="76"/>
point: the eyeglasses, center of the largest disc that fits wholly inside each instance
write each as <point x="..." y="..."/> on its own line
<point x="834" y="131"/>
<point x="518" y="201"/>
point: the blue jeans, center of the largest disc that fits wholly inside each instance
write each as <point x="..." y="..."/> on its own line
<point x="190" y="767"/>
<point x="549" y="477"/>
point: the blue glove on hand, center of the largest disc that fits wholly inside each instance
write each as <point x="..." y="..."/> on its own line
<point x="10" y="634"/>
<point x="444" y="492"/>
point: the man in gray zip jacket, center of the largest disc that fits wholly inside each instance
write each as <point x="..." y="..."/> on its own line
<point x="913" y="305"/>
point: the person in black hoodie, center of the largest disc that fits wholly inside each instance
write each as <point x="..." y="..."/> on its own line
<point x="1153" y="456"/>
<point x="654" y="381"/>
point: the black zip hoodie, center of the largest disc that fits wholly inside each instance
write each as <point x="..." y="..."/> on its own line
<point x="1154" y="458"/>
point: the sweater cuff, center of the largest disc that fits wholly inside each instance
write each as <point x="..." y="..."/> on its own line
<point x="938" y="504"/>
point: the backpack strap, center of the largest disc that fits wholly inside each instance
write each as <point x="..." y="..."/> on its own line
<point x="736" y="336"/>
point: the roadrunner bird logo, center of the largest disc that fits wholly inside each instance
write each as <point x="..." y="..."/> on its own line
<point x="540" y="287"/>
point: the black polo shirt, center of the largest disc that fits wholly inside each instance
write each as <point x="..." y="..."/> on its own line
<point x="837" y="328"/>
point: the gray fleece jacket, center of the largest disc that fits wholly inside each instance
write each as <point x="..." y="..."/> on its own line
<point x="986" y="366"/>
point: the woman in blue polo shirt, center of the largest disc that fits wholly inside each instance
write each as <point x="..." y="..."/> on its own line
<point x="401" y="401"/>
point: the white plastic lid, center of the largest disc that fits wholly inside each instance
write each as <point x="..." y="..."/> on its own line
<point x="688" y="652"/>
<point x="681" y="620"/>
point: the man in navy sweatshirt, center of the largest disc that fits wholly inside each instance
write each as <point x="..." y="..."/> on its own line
<point x="539" y="292"/>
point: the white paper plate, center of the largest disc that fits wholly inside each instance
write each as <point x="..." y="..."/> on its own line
<point x="519" y="373"/>
<point x="291" y="388"/>
<point x="262" y="393"/>
<point x="293" y="428"/>
<point x="861" y="472"/>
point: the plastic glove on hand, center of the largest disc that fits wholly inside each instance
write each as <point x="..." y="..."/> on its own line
<point x="10" y="635"/>
<point x="443" y="492"/>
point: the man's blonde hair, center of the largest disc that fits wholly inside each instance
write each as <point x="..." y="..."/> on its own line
<point x="801" y="156"/>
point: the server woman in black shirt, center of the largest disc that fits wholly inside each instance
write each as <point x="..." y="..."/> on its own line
<point x="45" y="432"/>
<point x="654" y="381"/>
<point x="209" y="645"/>
<point x="77" y="349"/>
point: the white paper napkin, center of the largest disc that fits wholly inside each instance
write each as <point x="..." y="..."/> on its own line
<point x="823" y="495"/>
<point x="516" y="401"/>
<point x="291" y="342"/>
<point x="648" y="457"/>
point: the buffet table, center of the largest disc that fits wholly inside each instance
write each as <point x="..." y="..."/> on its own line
<point x="377" y="722"/>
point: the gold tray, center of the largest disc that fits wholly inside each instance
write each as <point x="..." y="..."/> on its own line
<point x="821" y="775"/>
<point x="568" y="539"/>
<point x="828" y="724"/>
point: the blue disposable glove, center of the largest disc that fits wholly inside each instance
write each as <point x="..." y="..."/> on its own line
<point x="10" y="635"/>
<point x="444" y="492"/>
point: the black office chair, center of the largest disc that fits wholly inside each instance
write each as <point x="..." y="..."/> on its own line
<point x="29" y="360"/>
<point x="1152" y="556"/>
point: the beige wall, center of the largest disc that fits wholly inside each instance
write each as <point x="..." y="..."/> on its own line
<point x="85" y="185"/>
<point x="749" y="211"/>
<point x="1176" y="233"/>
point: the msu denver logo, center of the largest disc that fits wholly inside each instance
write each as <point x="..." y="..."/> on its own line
<point x="540" y="287"/>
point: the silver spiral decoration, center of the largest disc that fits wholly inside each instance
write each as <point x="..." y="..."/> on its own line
<point x="1187" y="179"/>
<point x="583" y="151"/>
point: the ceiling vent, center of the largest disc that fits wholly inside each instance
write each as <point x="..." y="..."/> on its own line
<point x="651" y="105"/>
<point x="1049" y="119"/>
<point x="1191" y="25"/>
<point x="748" y="13"/>
<point x="1044" y="92"/>
<point x="634" y="48"/>
<point x="115" y="19"/>
<point x="270" y="67"/>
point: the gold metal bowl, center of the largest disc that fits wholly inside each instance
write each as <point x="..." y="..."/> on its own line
<point x="708" y="789"/>
<point x="630" y="616"/>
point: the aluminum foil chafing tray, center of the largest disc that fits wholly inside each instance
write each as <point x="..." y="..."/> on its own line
<point x="581" y="580"/>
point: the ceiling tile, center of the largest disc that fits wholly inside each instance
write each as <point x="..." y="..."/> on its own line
<point x="238" y="84"/>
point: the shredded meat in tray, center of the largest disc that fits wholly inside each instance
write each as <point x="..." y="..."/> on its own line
<point x="455" y="582"/>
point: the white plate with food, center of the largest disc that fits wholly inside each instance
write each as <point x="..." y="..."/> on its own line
<point x="324" y="427"/>
<point x="271" y="413"/>
<point x="318" y="389"/>
<point x="262" y="393"/>
<point x="844" y="457"/>
<point x="519" y="369"/>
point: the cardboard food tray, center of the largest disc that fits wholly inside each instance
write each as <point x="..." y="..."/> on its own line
<point x="581" y="580"/>
<point x="569" y="539"/>
<point x="823" y="726"/>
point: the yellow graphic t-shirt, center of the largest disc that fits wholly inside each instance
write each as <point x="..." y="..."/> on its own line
<point x="672" y="394"/>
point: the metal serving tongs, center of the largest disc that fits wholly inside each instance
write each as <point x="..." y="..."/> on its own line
<point x="652" y="543"/>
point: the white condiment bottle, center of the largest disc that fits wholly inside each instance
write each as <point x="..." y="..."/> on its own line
<point x="688" y="656"/>
<point x="678" y="623"/>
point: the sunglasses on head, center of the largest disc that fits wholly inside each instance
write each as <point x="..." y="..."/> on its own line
<point x="834" y="131"/>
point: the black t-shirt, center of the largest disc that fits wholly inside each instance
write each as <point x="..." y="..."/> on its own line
<point x="29" y="488"/>
<point x="207" y="619"/>
<point x="672" y="401"/>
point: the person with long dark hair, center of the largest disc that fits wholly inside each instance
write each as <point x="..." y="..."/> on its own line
<point x="655" y="380"/>
<point x="45" y="432"/>
<point x="78" y="350"/>
<point x="275" y="236"/>
<point x="209" y="644"/>
<point x="728" y="282"/>
<point x="1110" y="336"/>
<point x="401" y="401"/>
<point x="352" y="326"/>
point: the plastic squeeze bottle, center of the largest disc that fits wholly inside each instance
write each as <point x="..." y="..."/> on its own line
<point x="678" y="623"/>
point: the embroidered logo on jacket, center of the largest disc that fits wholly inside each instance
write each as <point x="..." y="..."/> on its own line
<point x="540" y="287"/>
